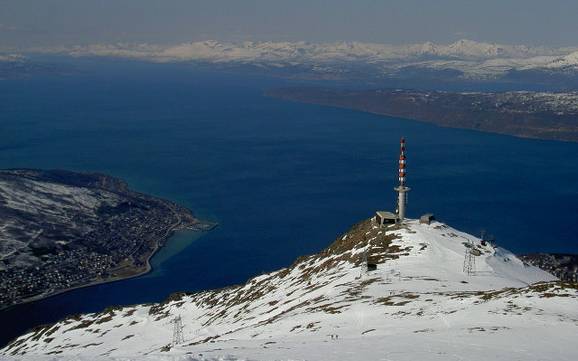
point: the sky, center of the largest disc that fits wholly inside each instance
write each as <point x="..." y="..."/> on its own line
<point x="51" y="23"/>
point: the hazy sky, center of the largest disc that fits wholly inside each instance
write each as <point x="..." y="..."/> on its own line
<point x="25" y="23"/>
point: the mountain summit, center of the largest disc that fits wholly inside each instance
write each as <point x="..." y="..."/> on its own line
<point x="403" y="292"/>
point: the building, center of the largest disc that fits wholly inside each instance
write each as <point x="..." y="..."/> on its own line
<point x="427" y="218"/>
<point x="384" y="218"/>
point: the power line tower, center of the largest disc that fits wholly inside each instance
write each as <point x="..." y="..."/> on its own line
<point x="178" y="337"/>
<point x="469" y="259"/>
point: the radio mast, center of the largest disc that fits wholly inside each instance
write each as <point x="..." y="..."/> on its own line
<point x="401" y="189"/>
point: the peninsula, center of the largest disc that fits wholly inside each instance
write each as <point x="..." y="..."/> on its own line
<point x="539" y="115"/>
<point x="61" y="230"/>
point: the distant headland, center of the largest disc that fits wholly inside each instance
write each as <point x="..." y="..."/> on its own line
<point x="539" y="115"/>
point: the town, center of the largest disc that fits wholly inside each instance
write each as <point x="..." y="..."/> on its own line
<point x="114" y="243"/>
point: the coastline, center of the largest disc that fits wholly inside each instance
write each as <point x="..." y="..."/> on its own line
<point x="148" y="267"/>
<point x="534" y="126"/>
<point x="147" y="228"/>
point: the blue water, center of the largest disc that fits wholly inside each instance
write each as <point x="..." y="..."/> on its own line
<point x="282" y="179"/>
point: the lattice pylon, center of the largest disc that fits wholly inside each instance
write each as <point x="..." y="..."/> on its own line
<point x="178" y="337"/>
<point x="469" y="260"/>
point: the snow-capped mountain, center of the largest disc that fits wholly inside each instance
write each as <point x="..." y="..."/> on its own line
<point x="473" y="59"/>
<point x="564" y="62"/>
<point x="396" y="293"/>
<point x="305" y="51"/>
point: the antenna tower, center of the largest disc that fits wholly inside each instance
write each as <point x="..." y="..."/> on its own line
<point x="401" y="189"/>
<point x="177" y="330"/>
<point x="469" y="259"/>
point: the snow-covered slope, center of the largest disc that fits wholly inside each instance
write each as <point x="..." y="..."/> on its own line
<point x="418" y="304"/>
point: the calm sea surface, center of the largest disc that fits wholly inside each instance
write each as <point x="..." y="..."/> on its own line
<point x="282" y="179"/>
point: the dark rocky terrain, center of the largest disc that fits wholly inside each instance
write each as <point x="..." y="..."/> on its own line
<point x="60" y="230"/>
<point x="563" y="266"/>
<point x="524" y="114"/>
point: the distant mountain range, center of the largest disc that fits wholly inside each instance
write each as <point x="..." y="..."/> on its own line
<point x="473" y="59"/>
<point x="465" y="59"/>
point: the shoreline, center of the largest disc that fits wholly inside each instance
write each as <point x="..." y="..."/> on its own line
<point x="56" y="293"/>
<point x="148" y="268"/>
<point x="326" y="98"/>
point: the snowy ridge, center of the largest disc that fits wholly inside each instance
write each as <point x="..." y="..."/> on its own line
<point x="474" y="59"/>
<point x="417" y="303"/>
<point x="301" y="51"/>
<point x="568" y="61"/>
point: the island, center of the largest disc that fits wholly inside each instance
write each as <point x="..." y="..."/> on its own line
<point x="539" y="115"/>
<point x="61" y="230"/>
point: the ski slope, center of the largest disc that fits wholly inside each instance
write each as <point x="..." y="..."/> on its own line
<point x="418" y="304"/>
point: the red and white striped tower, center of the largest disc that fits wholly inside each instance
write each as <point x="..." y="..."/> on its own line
<point x="401" y="189"/>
